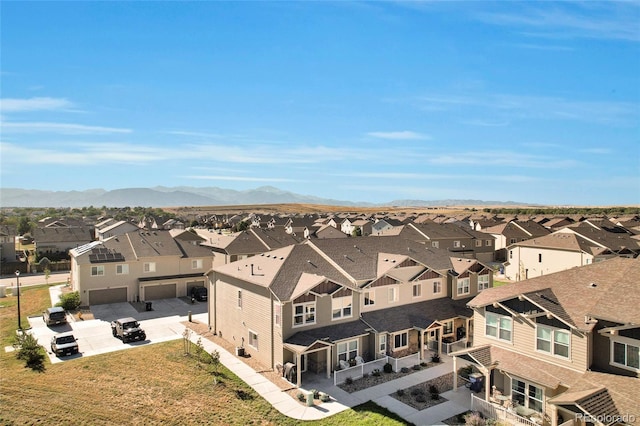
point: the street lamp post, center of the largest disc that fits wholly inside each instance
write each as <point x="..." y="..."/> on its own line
<point x="18" y="289"/>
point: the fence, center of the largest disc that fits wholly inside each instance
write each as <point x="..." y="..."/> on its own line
<point x="358" y="371"/>
<point x="493" y="411"/>
<point x="458" y="345"/>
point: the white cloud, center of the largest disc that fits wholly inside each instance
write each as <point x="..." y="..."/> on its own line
<point x="59" y="128"/>
<point x="34" y="104"/>
<point x="399" y="135"/>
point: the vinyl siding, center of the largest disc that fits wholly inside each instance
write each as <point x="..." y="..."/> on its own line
<point x="524" y="341"/>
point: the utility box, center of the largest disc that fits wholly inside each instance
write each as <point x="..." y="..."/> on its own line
<point x="310" y="399"/>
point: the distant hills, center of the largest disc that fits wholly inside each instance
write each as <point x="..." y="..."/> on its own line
<point x="161" y="196"/>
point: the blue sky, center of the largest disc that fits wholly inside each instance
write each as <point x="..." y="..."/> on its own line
<point x="536" y="102"/>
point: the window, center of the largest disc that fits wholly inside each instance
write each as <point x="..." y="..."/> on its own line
<point x="487" y="243"/>
<point x="341" y="307"/>
<point x="510" y="254"/>
<point x="437" y="287"/>
<point x="277" y="314"/>
<point x="122" y="269"/>
<point x="369" y="298"/>
<point x="97" y="271"/>
<point x="447" y="327"/>
<point x="304" y="313"/>
<point x="483" y="282"/>
<point x="253" y="339"/>
<point x="456" y="244"/>
<point x="393" y="294"/>
<point x="382" y="347"/>
<point x="539" y="257"/>
<point x="347" y="350"/>
<point x="196" y="264"/>
<point x="478" y="243"/>
<point x="239" y="298"/>
<point x="527" y="395"/>
<point x="625" y="354"/>
<point x="401" y="340"/>
<point x="417" y="290"/>
<point x="498" y="326"/>
<point x="149" y="267"/>
<point x="513" y="240"/>
<point x="435" y="244"/>
<point x="552" y="340"/>
<point x="463" y="286"/>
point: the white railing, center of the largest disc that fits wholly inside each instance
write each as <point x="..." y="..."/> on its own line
<point x="496" y="412"/>
<point x="432" y="345"/>
<point x="358" y="371"/>
<point x="407" y="361"/>
<point x="458" y="345"/>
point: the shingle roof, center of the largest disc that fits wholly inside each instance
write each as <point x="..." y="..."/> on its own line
<point x="419" y="315"/>
<point x="331" y="333"/>
<point x="592" y="290"/>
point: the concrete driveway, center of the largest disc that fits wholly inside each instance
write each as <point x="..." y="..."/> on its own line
<point x="94" y="336"/>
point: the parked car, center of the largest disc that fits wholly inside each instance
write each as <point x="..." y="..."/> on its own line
<point x="127" y="329"/>
<point x="64" y="344"/>
<point x="199" y="293"/>
<point x="54" y="316"/>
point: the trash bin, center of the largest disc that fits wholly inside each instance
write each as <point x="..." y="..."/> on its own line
<point x="148" y="306"/>
<point x="239" y="351"/>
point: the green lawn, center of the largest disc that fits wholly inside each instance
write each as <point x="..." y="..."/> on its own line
<point x="148" y="385"/>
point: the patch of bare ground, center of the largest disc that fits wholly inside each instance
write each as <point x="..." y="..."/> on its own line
<point x="424" y="395"/>
<point x="373" y="380"/>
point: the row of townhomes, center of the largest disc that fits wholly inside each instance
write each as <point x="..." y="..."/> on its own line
<point x="563" y="347"/>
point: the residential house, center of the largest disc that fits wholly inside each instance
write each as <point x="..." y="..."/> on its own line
<point x="566" y="248"/>
<point x="512" y="232"/>
<point x="114" y="228"/>
<point x="57" y="241"/>
<point x="8" y="243"/>
<point x="138" y="266"/>
<point x="459" y="241"/>
<point x="324" y="302"/>
<point x="385" y="224"/>
<point x="563" y="348"/>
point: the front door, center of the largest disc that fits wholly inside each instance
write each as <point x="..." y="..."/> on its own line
<point x="303" y="363"/>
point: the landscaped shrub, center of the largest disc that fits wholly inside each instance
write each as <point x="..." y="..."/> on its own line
<point x="376" y="372"/>
<point x="465" y="371"/>
<point x="324" y="397"/>
<point x="30" y="351"/>
<point x="435" y="358"/>
<point x="435" y="393"/>
<point x="424" y="364"/>
<point x="69" y="301"/>
<point x="348" y="381"/>
<point x="404" y="370"/>
<point x="474" y="419"/>
<point x="316" y="393"/>
<point x="388" y="368"/>
<point x="301" y="397"/>
<point x="400" y="392"/>
<point x="417" y="391"/>
<point x="417" y="367"/>
<point x="421" y="398"/>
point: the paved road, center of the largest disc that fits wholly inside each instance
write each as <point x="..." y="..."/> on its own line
<point x="34" y="279"/>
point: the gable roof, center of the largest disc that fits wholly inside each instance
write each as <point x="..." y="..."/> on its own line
<point x="571" y="295"/>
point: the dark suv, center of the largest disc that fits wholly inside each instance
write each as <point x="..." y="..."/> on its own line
<point x="199" y="293"/>
<point x="54" y="316"/>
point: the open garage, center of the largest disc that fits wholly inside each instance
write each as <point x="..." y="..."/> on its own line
<point x="107" y="295"/>
<point x="161" y="291"/>
<point x="192" y="284"/>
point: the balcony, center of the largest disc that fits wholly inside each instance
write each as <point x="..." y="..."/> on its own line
<point x="497" y="412"/>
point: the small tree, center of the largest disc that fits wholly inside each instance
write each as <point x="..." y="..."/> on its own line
<point x="215" y="365"/>
<point x="47" y="274"/>
<point x="30" y="352"/>
<point x="186" y="340"/>
<point x="69" y="301"/>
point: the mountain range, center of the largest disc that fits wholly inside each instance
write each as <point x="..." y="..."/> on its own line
<point x="161" y="196"/>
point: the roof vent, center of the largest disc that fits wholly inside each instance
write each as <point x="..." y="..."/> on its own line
<point x="593" y="285"/>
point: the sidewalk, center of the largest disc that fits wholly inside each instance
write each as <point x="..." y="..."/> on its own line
<point x="458" y="401"/>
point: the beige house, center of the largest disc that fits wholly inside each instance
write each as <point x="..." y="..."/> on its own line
<point x="564" y="249"/>
<point x="326" y="302"/>
<point x="138" y="266"/>
<point x="563" y="348"/>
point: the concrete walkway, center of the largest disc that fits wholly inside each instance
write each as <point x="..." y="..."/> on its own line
<point x="457" y="402"/>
